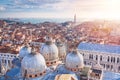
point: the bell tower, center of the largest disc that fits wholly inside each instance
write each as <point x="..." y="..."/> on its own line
<point x="75" y="18"/>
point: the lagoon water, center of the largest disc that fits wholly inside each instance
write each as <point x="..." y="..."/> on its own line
<point x="40" y="20"/>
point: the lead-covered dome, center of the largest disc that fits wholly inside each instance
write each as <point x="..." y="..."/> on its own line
<point x="25" y="50"/>
<point x="74" y="61"/>
<point x="50" y="51"/>
<point x="33" y="65"/>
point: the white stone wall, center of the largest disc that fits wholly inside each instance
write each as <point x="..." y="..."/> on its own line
<point x="111" y="64"/>
<point x="6" y="59"/>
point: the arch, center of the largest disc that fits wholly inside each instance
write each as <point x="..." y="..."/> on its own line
<point x="96" y="57"/>
<point x="100" y="57"/>
<point x="118" y="60"/>
<point x="108" y="59"/>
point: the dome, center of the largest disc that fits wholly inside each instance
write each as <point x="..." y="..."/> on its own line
<point x="74" y="61"/>
<point x="61" y="50"/>
<point x="33" y="65"/>
<point x="24" y="51"/>
<point x="50" y="52"/>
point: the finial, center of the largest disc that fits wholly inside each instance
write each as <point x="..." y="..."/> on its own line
<point x="49" y="40"/>
<point x="33" y="51"/>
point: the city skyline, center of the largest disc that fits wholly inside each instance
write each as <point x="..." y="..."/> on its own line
<point x="89" y="9"/>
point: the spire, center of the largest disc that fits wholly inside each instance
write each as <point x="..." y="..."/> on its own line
<point x="75" y="18"/>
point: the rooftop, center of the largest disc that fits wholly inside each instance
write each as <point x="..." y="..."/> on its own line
<point x="100" y="47"/>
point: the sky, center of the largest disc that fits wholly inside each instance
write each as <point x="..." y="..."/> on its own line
<point x="89" y="9"/>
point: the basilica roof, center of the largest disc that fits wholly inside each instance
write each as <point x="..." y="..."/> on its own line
<point x="74" y="60"/>
<point x="50" y="52"/>
<point x="34" y="63"/>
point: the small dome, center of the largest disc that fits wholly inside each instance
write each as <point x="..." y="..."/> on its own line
<point x="50" y="52"/>
<point x="24" y="51"/>
<point x="33" y="65"/>
<point x="74" y="61"/>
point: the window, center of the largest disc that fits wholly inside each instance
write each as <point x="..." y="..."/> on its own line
<point x="83" y="54"/>
<point x="30" y="76"/>
<point x="119" y="68"/>
<point x="35" y="75"/>
<point x="77" y="66"/>
<point x="5" y="61"/>
<point x="111" y="59"/>
<point x="108" y="59"/>
<point x="40" y="74"/>
<point x="114" y="59"/>
<point x="96" y="57"/>
<point x="51" y="62"/>
<point x="8" y="61"/>
<point x="90" y="56"/>
<point x="96" y="74"/>
<point x="117" y="60"/>
<point x="100" y="58"/>
<point x="111" y="66"/>
<point x="108" y="66"/>
<point x="84" y="62"/>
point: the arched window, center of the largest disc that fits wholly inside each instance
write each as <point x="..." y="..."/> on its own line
<point x="100" y="58"/>
<point x="5" y="61"/>
<point x="89" y="56"/>
<point x="108" y="66"/>
<point x="84" y="62"/>
<point x="83" y="54"/>
<point x="114" y="59"/>
<point x="111" y="66"/>
<point x="96" y="57"/>
<point x="119" y="68"/>
<point x="108" y="59"/>
<point x="111" y="59"/>
<point x="118" y="60"/>
<point x="92" y="56"/>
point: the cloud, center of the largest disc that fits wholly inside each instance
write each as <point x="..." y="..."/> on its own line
<point x="2" y="8"/>
<point x="83" y="8"/>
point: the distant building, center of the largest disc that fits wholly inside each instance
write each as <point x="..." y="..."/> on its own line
<point x="109" y="55"/>
<point x="6" y="60"/>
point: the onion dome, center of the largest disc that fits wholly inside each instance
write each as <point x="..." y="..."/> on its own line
<point x="74" y="61"/>
<point x="61" y="50"/>
<point x="33" y="65"/>
<point x="25" y="50"/>
<point x="50" y="51"/>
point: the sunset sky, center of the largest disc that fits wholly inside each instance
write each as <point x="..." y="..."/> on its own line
<point x="90" y="9"/>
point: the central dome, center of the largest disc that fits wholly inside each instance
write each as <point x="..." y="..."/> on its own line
<point x="33" y="65"/>
<point x="74" y="61"/>
<point x="50" y="52"/>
